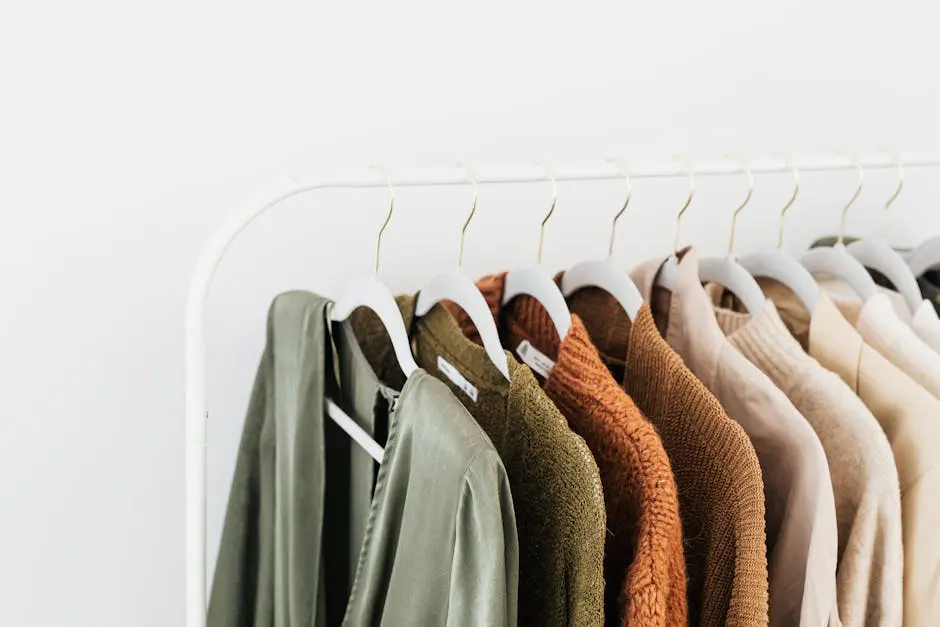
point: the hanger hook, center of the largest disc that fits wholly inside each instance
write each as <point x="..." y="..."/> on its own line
<point x="746" y="169"/>
<point x="858" y="191"/>
<point x="388" y="216"/>
<point x="897" y="191"/>
<point x="687" y="168"/>
<point x="796" y="192"/>
<point x="471" y="174"/>
<point x="626" y="201"/>
<point x="550" y="172"/>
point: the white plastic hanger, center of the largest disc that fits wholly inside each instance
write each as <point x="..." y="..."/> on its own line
<point x="875" y="253"/>
<point x="536" y="281"/>
<point x="924" y="257"/>
<point x="726" y="271"/>
<point x="603" y="273"/>
<point x="666" y="277"/>
<point x="373" y="294"/>
<point x="836" y="261"/>
<point x="457" y="287"/>
<point x="783" y="268"/>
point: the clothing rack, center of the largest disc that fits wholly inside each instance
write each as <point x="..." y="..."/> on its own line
<point x="218" y="243"/>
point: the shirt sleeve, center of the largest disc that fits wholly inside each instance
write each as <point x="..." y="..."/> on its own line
<point x="237" y="597"/>
<point x="485" y="572"/>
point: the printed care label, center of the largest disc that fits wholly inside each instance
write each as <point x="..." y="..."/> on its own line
<point x="534" y="358"/>
<point x="456" y="378"/>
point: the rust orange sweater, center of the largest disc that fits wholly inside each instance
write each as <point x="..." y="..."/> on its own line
<point x="644" y="566"/>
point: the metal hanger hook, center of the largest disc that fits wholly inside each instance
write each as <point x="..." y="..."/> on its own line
<point x="388" y="216"/>
<point x="622" y="166"/>
<point x="687" y="167"/>
<point x="858" y="192"/>
<point x="471" y="174"/>
<point x="746" y="169"/>
<point x="897" y="192"/>
<point x="796" y="192"/>
<point x="550" y="172"/>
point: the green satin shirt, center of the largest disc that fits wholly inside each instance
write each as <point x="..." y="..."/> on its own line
<point x="316" y="534"/>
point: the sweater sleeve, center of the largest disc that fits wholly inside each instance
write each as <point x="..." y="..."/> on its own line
<point x="485" y="572"/>
<point x="870" y="571"/>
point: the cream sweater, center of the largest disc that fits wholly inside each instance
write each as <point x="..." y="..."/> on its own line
<point x="864" y="477"/>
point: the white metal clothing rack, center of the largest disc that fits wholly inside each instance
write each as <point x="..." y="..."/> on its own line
<point x="214" y="250"/>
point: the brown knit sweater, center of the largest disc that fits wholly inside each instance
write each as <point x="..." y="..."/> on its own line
<point x="721" y="495"/>
<point x="644" y="567"/>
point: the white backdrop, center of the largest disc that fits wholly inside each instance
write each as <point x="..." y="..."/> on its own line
<point x="128" y="130"/>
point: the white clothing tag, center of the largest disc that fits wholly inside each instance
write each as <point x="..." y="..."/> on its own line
<point x="534" y="358"/>
<point x="456" y="378"/>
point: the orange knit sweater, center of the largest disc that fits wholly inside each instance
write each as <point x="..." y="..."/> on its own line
<point x="644" y="567"/>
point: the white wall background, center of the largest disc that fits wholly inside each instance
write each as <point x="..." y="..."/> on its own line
<point x="128" y="130"/>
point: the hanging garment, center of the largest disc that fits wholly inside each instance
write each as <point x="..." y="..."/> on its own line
<point x="924" y="321"/>
<point x="880" y="328"/>
<point x="555" y="483"/>
<point x="306" y="542"/>
<point x="644" y="568"/>
<point x="802" y="536"/>
<point x="907" y="414"/>
<point x="864" y="477"/>
<point x="721" y="494"/>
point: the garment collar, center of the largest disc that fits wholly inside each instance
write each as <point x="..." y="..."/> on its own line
<point x="685" y="316"/>
<point x="824" y="333"/>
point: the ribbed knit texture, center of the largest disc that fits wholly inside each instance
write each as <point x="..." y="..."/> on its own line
<point x="721" y="495"/>
<point x="864" y="477"/>
<point x="555" y="483"/>
<point x="644" y="566"/>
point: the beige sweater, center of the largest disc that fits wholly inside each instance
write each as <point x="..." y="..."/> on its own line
<point x="864" y="477"/>
<point x="910" y="418"/>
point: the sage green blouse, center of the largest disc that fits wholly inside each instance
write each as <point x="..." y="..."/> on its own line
<point x="314" y="534"/>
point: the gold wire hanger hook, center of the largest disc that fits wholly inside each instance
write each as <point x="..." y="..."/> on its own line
<point x="388" y="216"/>
<point x="550" y="171"/>
<point x="796" y="192"/>
<point x="687" y="167"/>
<point x="473" y="209"/>
<point x="626" y="201"/>
<point x="896" y="157"/>
<point x="858" y="191"/>
<point x="746" y="169"/>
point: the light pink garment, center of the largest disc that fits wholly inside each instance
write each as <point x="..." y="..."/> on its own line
<point x="802" y="539"/>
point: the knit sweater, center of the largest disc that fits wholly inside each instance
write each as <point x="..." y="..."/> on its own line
<point x="721" y="495"/>
<point x="644" y="568"/>
<point x="555" y="484"/>
<point x="864" y="477"/>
